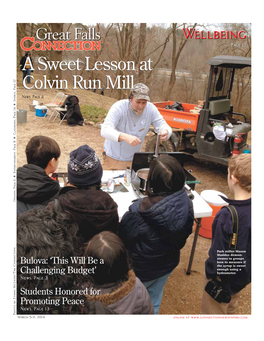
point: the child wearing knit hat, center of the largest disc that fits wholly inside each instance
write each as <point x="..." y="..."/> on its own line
<point x="92" y="209"/>
<point x="84" y="167"/>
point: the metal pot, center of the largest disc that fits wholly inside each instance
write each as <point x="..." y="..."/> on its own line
<point x="143" y="176"/>
<point x="142" y="173"/>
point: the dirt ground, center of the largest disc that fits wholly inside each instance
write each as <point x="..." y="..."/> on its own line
<point x="182" y="293"/>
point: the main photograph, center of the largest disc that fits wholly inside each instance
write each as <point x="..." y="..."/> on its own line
<point x="134" y="168"/>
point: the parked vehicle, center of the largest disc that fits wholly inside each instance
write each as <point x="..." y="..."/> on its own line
<point x="209" y="130"/>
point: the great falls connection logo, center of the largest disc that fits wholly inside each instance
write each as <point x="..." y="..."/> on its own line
<point x="60" y="41"/>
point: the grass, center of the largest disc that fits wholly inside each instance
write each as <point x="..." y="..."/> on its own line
<point x="93" y="113"/>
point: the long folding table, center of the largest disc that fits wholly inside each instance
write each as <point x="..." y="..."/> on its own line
<point x="124" y="200"/>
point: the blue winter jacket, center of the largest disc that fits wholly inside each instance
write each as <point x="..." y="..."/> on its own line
<point x="154" y="237"/>
<point x="235" y="273"/>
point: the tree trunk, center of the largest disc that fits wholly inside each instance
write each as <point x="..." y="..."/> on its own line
<point x="141" y="50"/>
<point x="175" y="57"/>
<point x="56" y="55"/>
<point x="124" y="37"/>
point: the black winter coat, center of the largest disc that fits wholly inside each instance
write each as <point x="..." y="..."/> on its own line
<point x="35" y="189"/>
<point x="23" y="61"/>
<point x="74" y="116"/>
<point x="155" y="236"/>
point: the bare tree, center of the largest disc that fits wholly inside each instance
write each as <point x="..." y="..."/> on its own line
<point x="56" y="55"/>
<point x="96" y="54"/>
<point x="163" y="48"/>
<point x="142" y="49"/>
<point x="124" y="38"/>
<point x="24" y="30"/>
<point x="176" y="52"/>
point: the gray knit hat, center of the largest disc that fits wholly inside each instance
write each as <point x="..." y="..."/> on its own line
<point x="84" y="167"/>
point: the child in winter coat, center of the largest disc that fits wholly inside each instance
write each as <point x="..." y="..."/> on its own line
<point x="92" y="209"/>
<point x="238" y="277"/>
<point x="35" y="188"/>
<point x="113" y="283"/>
<point x="156" y="227"/>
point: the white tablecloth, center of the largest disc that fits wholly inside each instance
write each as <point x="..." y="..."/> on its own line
<point x="124" y="199"/>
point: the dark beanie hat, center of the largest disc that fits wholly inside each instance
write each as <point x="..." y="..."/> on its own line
<point x="84" y="167"/>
